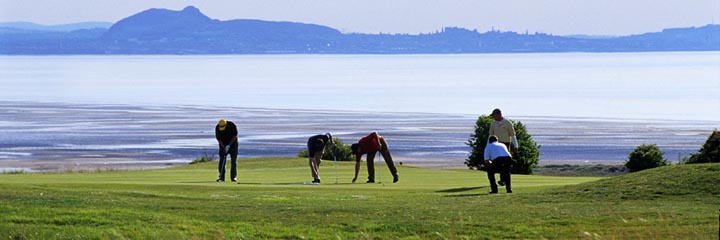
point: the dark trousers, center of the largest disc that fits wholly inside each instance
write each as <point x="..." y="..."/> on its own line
<point x="385" y="152"/>
<point x="233" y="161"/>
<point x="500" y="165"/>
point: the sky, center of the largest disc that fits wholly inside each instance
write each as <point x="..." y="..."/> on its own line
<point x="559" y="17"/>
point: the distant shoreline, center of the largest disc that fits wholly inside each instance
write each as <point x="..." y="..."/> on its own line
<point x="118" y="163"/>
<point x="154" y="137"/>
<point x="343" y="54"/>
<point x="190" y="32"/>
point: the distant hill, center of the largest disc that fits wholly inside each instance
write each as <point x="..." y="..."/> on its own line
<point x="55" y="28"/>
<point x="583" y="36"/>
<point x="162" y="31"/>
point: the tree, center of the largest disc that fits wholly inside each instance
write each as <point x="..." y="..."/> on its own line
<point x="529" y="154"/>
<point x="342" y="151"/>
<point x="478" y="141"/>
<point x="645" y="157"/>
<point x="709" y="152"/>
<point x="527" y="158"/>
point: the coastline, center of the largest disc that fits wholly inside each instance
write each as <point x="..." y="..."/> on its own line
<point x="139" y="163"/>
<point x="42" y="136"/>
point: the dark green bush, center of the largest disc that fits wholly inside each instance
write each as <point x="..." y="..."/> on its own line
<point x="710" y="151"/>
<point x="645" y="157"/>
<point x="527" y="158"/>
<point x="342" y="151"/>
<point x="529" y="154"/>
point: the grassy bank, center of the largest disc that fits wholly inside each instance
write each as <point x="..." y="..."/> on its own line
<point x="567" y="170"/>
<point x="271" y="201"/>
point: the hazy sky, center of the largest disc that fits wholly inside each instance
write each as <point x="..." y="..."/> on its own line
<point x="562" y="17"/>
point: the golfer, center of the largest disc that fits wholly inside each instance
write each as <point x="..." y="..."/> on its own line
<point x="498" y="160"/>
<point x="316" y="147"/>
<point x="504" y="131"/>
<point x="370" y="145"/>
<point x="226" y="136"/>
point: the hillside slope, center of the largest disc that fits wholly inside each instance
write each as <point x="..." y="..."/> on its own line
<point x="697" y="181"/>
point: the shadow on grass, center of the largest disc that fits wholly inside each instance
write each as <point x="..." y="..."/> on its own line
<point x="198" y="182"/>
<point x="462" y="189"/>
<point x="468" y="195"/>
<point x="290" y="183"/>
<point x="248" y="183"/>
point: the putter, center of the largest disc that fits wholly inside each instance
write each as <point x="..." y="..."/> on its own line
<point x="377" y="173"/>
<point x="335" y="163"/>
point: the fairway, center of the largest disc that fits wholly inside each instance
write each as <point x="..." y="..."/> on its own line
<point x="271" y="201"/>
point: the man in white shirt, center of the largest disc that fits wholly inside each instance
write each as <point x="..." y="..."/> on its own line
<point x="498" y="160"/>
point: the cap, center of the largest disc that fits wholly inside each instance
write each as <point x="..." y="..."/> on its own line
<point x="222" y="124"/>
<point x="495" y="111"/>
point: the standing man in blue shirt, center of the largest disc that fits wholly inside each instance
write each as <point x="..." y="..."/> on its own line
<point x="498" y="160"/>
<point x="226" y="136"/>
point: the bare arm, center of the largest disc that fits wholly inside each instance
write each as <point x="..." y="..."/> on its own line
<point x="514" y="138"/>
<point x="357" y="167"/>
<point x="491" y="131"/>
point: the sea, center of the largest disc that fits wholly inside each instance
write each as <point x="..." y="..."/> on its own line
<point x="74" y="112"/>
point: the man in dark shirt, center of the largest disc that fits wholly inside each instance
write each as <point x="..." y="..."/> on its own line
<point x="370" y="145"/>
<point x="226" y="135"/>
<point x="316" y="146"/>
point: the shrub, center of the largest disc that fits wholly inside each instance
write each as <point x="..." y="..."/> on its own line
<point x="342" y="151"/>
<point x="709" y="152"/>
<point x="527" y="158"/>
<point x="645" y="157"/>
<point x="204" y="158"/>
<point x="529" y="154"/>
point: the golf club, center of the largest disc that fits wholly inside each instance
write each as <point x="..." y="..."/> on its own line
<point x="335" y="162"/>
<point x="378" y="173"/>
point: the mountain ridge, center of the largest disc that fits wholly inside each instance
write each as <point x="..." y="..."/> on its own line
<point x="189" y="31"/>
<point x="57" y="27"/>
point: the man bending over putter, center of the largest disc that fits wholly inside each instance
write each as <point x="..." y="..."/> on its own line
<point x="226" y="135"/>
<point x="370" y="145"/>
<point x="316" y="146"/>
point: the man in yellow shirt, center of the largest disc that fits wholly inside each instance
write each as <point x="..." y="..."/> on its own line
<point x="504" y="130"/>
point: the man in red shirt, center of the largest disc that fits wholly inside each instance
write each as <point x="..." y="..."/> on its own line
<point x="370" y="145"/>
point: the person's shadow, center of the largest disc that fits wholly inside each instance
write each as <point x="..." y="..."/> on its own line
<point x="462" y="189"/>
<point x="290" y="183"/>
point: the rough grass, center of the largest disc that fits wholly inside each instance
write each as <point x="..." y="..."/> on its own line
<point x="566" y="170"/>
<point x="271" y="202"/>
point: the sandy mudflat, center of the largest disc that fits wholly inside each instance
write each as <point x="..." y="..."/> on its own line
<point x="61" y="136"/>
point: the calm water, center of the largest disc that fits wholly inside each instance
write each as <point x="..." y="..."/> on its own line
<point x="130" y="110"/>
<point x="682" y="85"/>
